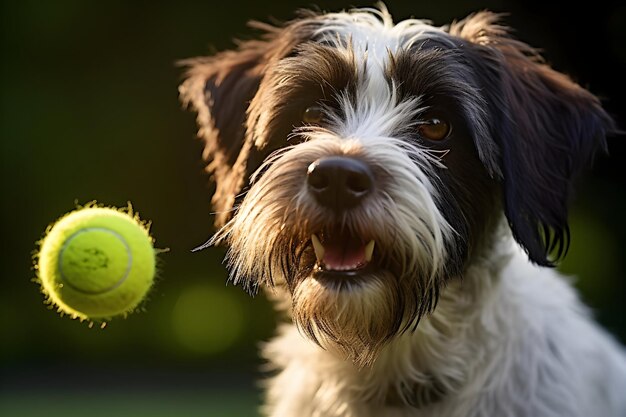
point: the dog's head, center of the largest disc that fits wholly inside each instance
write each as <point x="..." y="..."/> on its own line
<point x="361" y="165"/>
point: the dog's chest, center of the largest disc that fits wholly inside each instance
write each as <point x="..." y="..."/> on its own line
<point x="511" y="347"/>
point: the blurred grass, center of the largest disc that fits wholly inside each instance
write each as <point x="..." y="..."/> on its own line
<point x="95" y="388"/>
<point x="109" y="403"/>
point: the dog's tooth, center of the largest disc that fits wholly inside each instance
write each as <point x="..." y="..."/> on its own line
<point x="369" y="250"/>
<point x="318" y="248"/>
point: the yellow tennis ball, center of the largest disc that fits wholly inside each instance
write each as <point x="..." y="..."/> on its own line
<point x="96" y="263"/>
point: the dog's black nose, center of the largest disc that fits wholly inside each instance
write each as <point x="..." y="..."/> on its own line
<point x="338" y="182"/>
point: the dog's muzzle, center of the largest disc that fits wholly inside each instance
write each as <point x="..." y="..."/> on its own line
<point x="340" y="184"/>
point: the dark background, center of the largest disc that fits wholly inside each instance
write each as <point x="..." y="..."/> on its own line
<point x="90" y="112"/>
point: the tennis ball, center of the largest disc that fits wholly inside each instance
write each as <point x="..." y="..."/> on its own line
<point x="96" y="263"/>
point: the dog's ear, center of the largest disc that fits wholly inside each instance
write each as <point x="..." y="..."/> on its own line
<point x="547" y="129"/>
<point x="220" y="88"/>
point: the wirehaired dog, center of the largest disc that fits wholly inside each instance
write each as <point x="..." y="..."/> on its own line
<point x="401" y="191"/>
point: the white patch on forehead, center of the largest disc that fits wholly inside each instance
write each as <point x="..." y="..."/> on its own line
<point x="368" y="36"/>
<point x="372" y="34"/>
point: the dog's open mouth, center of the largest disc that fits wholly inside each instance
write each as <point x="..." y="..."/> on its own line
<point x="341" y="252"/>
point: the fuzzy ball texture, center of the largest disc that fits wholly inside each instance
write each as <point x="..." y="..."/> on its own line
<point x="96" y="263"/>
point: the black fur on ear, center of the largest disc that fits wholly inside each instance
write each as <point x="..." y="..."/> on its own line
<point x="547" y="129"/>
<point x="220" y="88"/>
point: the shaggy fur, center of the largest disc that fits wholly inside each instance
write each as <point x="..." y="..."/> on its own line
<point x="431" y="294"/>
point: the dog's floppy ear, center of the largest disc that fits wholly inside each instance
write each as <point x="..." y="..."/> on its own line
<point x="220" y="88"/>
<point x="547" y="129"/>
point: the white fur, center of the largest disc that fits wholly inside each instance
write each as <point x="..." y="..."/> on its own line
<point x="511" y="339"/>
<point x="372" y="32"/>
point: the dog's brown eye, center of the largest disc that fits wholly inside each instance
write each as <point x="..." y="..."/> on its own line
<point x="313" y="115"/>
<point x="434" y="129"/>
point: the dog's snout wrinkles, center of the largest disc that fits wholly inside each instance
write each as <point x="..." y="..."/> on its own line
<point x="338" y="182"/>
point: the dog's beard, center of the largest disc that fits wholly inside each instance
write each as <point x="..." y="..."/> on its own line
<point x="355" y="320"/>
<point x="354" y="315"/>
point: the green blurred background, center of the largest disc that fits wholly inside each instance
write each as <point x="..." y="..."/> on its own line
<point x="90" y="112"/>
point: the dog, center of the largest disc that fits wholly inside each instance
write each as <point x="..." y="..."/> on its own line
<point x="401" y="192"/>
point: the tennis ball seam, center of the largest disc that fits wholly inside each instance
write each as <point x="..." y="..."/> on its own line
<point x="117" y="284"/>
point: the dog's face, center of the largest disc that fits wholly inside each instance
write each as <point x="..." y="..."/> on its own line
<point x="361" y="165"/>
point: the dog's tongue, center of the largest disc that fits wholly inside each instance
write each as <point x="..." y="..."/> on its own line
<point x="343" y="253"/>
